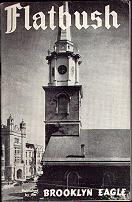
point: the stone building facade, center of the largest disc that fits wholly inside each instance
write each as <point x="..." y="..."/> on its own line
<point x="13" y="148"/>
<point x="19" y="160"/>
<point x="3" y="161"/>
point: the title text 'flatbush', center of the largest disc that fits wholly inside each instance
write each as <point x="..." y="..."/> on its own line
<point x="39" y="19"/>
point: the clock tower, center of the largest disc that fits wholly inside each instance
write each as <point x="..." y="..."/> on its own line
<point x="63" y="93"/>
<point x="63" y="62"/>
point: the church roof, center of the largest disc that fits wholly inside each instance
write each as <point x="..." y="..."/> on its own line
<point x="99" y="145"/>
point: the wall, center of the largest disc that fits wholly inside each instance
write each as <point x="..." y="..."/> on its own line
<point x="50" y="104"/>
<point x="90" y="176"/>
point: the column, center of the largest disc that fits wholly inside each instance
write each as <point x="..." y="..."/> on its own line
<point x="49" y="63"/>
<point x="76" y="71"/>
<point x="21" y="147"/>
<point x="55" y="81"/>
<point x="68" y="70"/>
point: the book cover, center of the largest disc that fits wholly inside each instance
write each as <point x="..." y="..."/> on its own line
<point x="65" y="132"/>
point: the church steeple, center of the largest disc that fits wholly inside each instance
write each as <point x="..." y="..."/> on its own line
<point x="64" y="42"/>
<point x="64" y="93"/>
<point x="64" y="34"/>
<point x="63" y="62"/>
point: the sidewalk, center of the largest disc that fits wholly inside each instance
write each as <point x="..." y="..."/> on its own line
<point x="7" y="186"/>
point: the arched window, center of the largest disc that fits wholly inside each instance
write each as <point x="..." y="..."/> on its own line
<point x="108" y="179"/>
<point x="72" y="179"/>
<point x="62" y="104"/>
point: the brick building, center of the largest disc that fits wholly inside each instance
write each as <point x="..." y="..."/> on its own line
<point x="30" y="160"/>
<point x="34" y="155"/>
<point x="39" y="151"/>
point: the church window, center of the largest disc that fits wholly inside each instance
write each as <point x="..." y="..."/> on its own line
<point x="108" y="179"/>
<point x="72" y="179"/>
<point x="62" y="104"/>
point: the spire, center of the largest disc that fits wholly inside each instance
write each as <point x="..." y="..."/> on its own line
<point x="64" y="34"/>
<point x="10" y="117"/>
<point x="22" y="124"/>
<point x="10" y="122"/>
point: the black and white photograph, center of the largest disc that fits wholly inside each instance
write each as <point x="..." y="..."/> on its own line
<point x="65" y="100"/>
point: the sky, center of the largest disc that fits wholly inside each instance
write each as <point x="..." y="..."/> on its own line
<point x="104" y="72"/>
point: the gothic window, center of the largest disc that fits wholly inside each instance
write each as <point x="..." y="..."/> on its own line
<point x="16" y="140"/>
<point x="62" y="104"/>
<point x="15" y="151"/>
<point x="108" y="179"/>
<point x="72" y="179"/>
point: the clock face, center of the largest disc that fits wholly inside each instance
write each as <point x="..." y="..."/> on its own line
<point x="62" y="69"/>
